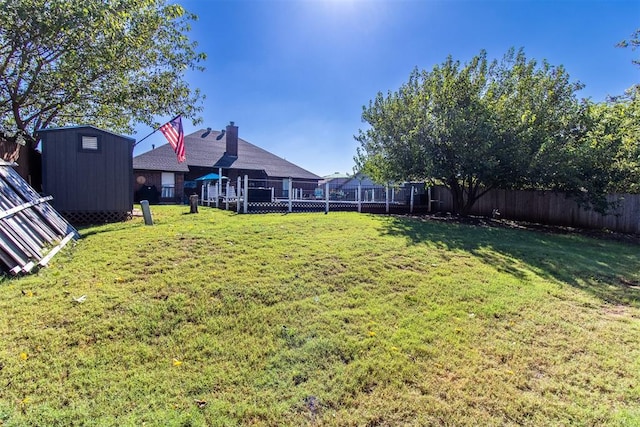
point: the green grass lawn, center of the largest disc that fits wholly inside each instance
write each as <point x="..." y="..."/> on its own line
<point x="310" y="319"/>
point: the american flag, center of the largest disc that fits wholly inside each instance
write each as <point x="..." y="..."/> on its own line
<point x="172" y="130"/>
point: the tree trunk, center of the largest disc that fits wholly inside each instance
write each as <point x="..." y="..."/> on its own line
<point x="461" y="205"/>
<point x="466" y="208"/>
<point x="458" y="196"/>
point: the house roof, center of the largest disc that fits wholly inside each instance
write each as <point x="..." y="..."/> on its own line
<point x="336" y="179"/>
<point x="336" y="175"/>
<point x="203" y="150"/>
<point x="358" y="179"/>
<point x="162" y="158"/>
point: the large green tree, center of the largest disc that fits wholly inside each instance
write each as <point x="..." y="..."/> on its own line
<point x="606" y="158"/>
<point x="476" y="126"/>
<point x="109" y="63"/>
<point x="612" y="142"/>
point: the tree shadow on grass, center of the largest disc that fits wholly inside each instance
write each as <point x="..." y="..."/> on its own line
<point x="609" y="270"/>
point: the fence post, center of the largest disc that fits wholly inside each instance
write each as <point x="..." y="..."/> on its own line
<point x="219" y="187"/>
<point x="226" y="197"/>
<point x="386" y="197"/>
<point x="429" y="199"/>
<point x="238" y="194"/>
<point x="326" y="197"/>
<point x="290" y="194"/>
<point x="246" y="194"/>
<point x="359" y="198"/>
<point x="411" y="204"/>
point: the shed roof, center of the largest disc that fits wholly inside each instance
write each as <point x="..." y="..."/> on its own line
<point x="61" y="128"/>
<point x="203" y="150"/>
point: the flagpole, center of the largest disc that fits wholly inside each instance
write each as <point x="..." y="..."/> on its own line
<point x="155" y="130"/>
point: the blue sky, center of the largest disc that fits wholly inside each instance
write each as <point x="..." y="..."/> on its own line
<point x="294" y="75"/>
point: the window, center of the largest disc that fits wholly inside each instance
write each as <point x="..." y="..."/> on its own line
<point x="90" y="143"/>
<point x="168" y="185"/>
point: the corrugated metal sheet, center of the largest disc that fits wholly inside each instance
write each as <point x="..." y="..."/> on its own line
<point x="31" y="231"/>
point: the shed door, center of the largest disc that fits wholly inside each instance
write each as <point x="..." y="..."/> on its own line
<point x="168" y="185"/>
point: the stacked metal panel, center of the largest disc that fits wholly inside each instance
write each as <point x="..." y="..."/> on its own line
<point x="31" y="231"/>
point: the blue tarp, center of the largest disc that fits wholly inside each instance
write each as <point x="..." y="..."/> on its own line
<point x="209" y="177"/>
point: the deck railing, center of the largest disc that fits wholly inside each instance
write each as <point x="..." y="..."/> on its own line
<point x="544" y="207"/>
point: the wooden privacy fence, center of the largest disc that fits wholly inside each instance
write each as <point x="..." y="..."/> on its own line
<point x="551" y="208"/>
<point x="31" y="231"/>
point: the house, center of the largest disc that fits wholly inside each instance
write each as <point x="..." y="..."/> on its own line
<point x="88" y="171"/>
<point x="223" y="155"/>
<point x="335" y="181"/>
<point x="345" y="187"/>
<point x="336" y="178"/>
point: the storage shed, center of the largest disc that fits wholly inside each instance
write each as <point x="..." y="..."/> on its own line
<point x="89" y="173"/>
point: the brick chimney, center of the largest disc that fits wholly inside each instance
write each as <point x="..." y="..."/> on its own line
<point x="232" y="139"/>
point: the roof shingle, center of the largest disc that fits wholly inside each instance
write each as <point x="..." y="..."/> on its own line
<point x="203" y="150"/>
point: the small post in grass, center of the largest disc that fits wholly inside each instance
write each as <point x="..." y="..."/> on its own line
<point x="146" y="212"/>
<point x="193" y="202"/>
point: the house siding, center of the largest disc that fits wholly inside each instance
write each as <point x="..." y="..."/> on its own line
<point x="144" y="178"/>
